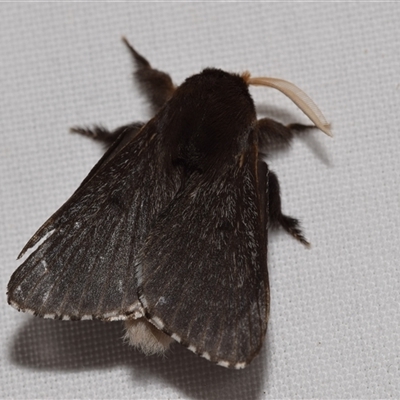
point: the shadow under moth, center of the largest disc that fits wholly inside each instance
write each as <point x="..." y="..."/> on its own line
<point x="168" y="232"/>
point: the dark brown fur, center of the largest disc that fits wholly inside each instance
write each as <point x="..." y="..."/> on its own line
<point x="175" y="217"/>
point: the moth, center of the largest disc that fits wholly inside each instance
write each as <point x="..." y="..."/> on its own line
<point x="169" y="230"/>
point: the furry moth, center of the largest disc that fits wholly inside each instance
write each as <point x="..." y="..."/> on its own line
<point x="168" y="232"/>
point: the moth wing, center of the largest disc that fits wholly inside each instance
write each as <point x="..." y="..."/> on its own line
<point x="202" y="273"/>
<point x="84" y="267"/>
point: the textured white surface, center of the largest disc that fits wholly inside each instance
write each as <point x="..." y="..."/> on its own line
<point x="335" y="311"/>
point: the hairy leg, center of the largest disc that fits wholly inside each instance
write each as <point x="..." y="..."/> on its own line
<point x="276" y="217"/>
<point x="274" y="135"/>
<point x="106" y="137"/>
<point x="156" y="85"/>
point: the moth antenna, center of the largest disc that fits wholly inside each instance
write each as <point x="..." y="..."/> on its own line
<point x="301" y="99"/>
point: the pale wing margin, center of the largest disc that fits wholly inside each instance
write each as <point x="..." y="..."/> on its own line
<point x="84" y="268"/>
<point x="202" y="273"/>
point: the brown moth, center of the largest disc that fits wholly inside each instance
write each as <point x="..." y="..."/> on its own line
<point x="169" y="230"/>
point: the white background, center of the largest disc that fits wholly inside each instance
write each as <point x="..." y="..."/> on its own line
<point x="334" y="325"/>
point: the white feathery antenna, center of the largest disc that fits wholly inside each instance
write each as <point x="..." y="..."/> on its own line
<point x="302" y="100"/>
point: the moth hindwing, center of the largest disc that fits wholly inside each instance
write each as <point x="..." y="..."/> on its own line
<point x="169" y="230"/>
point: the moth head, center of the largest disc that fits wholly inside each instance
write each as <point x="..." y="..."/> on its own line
<point x="295" y="94"/>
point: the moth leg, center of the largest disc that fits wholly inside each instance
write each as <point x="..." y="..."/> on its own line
<point x="156" y="85"/>
<point x="276" y="217"/>
<point x="107" y="137"/>
<point x="273" y="134"/>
